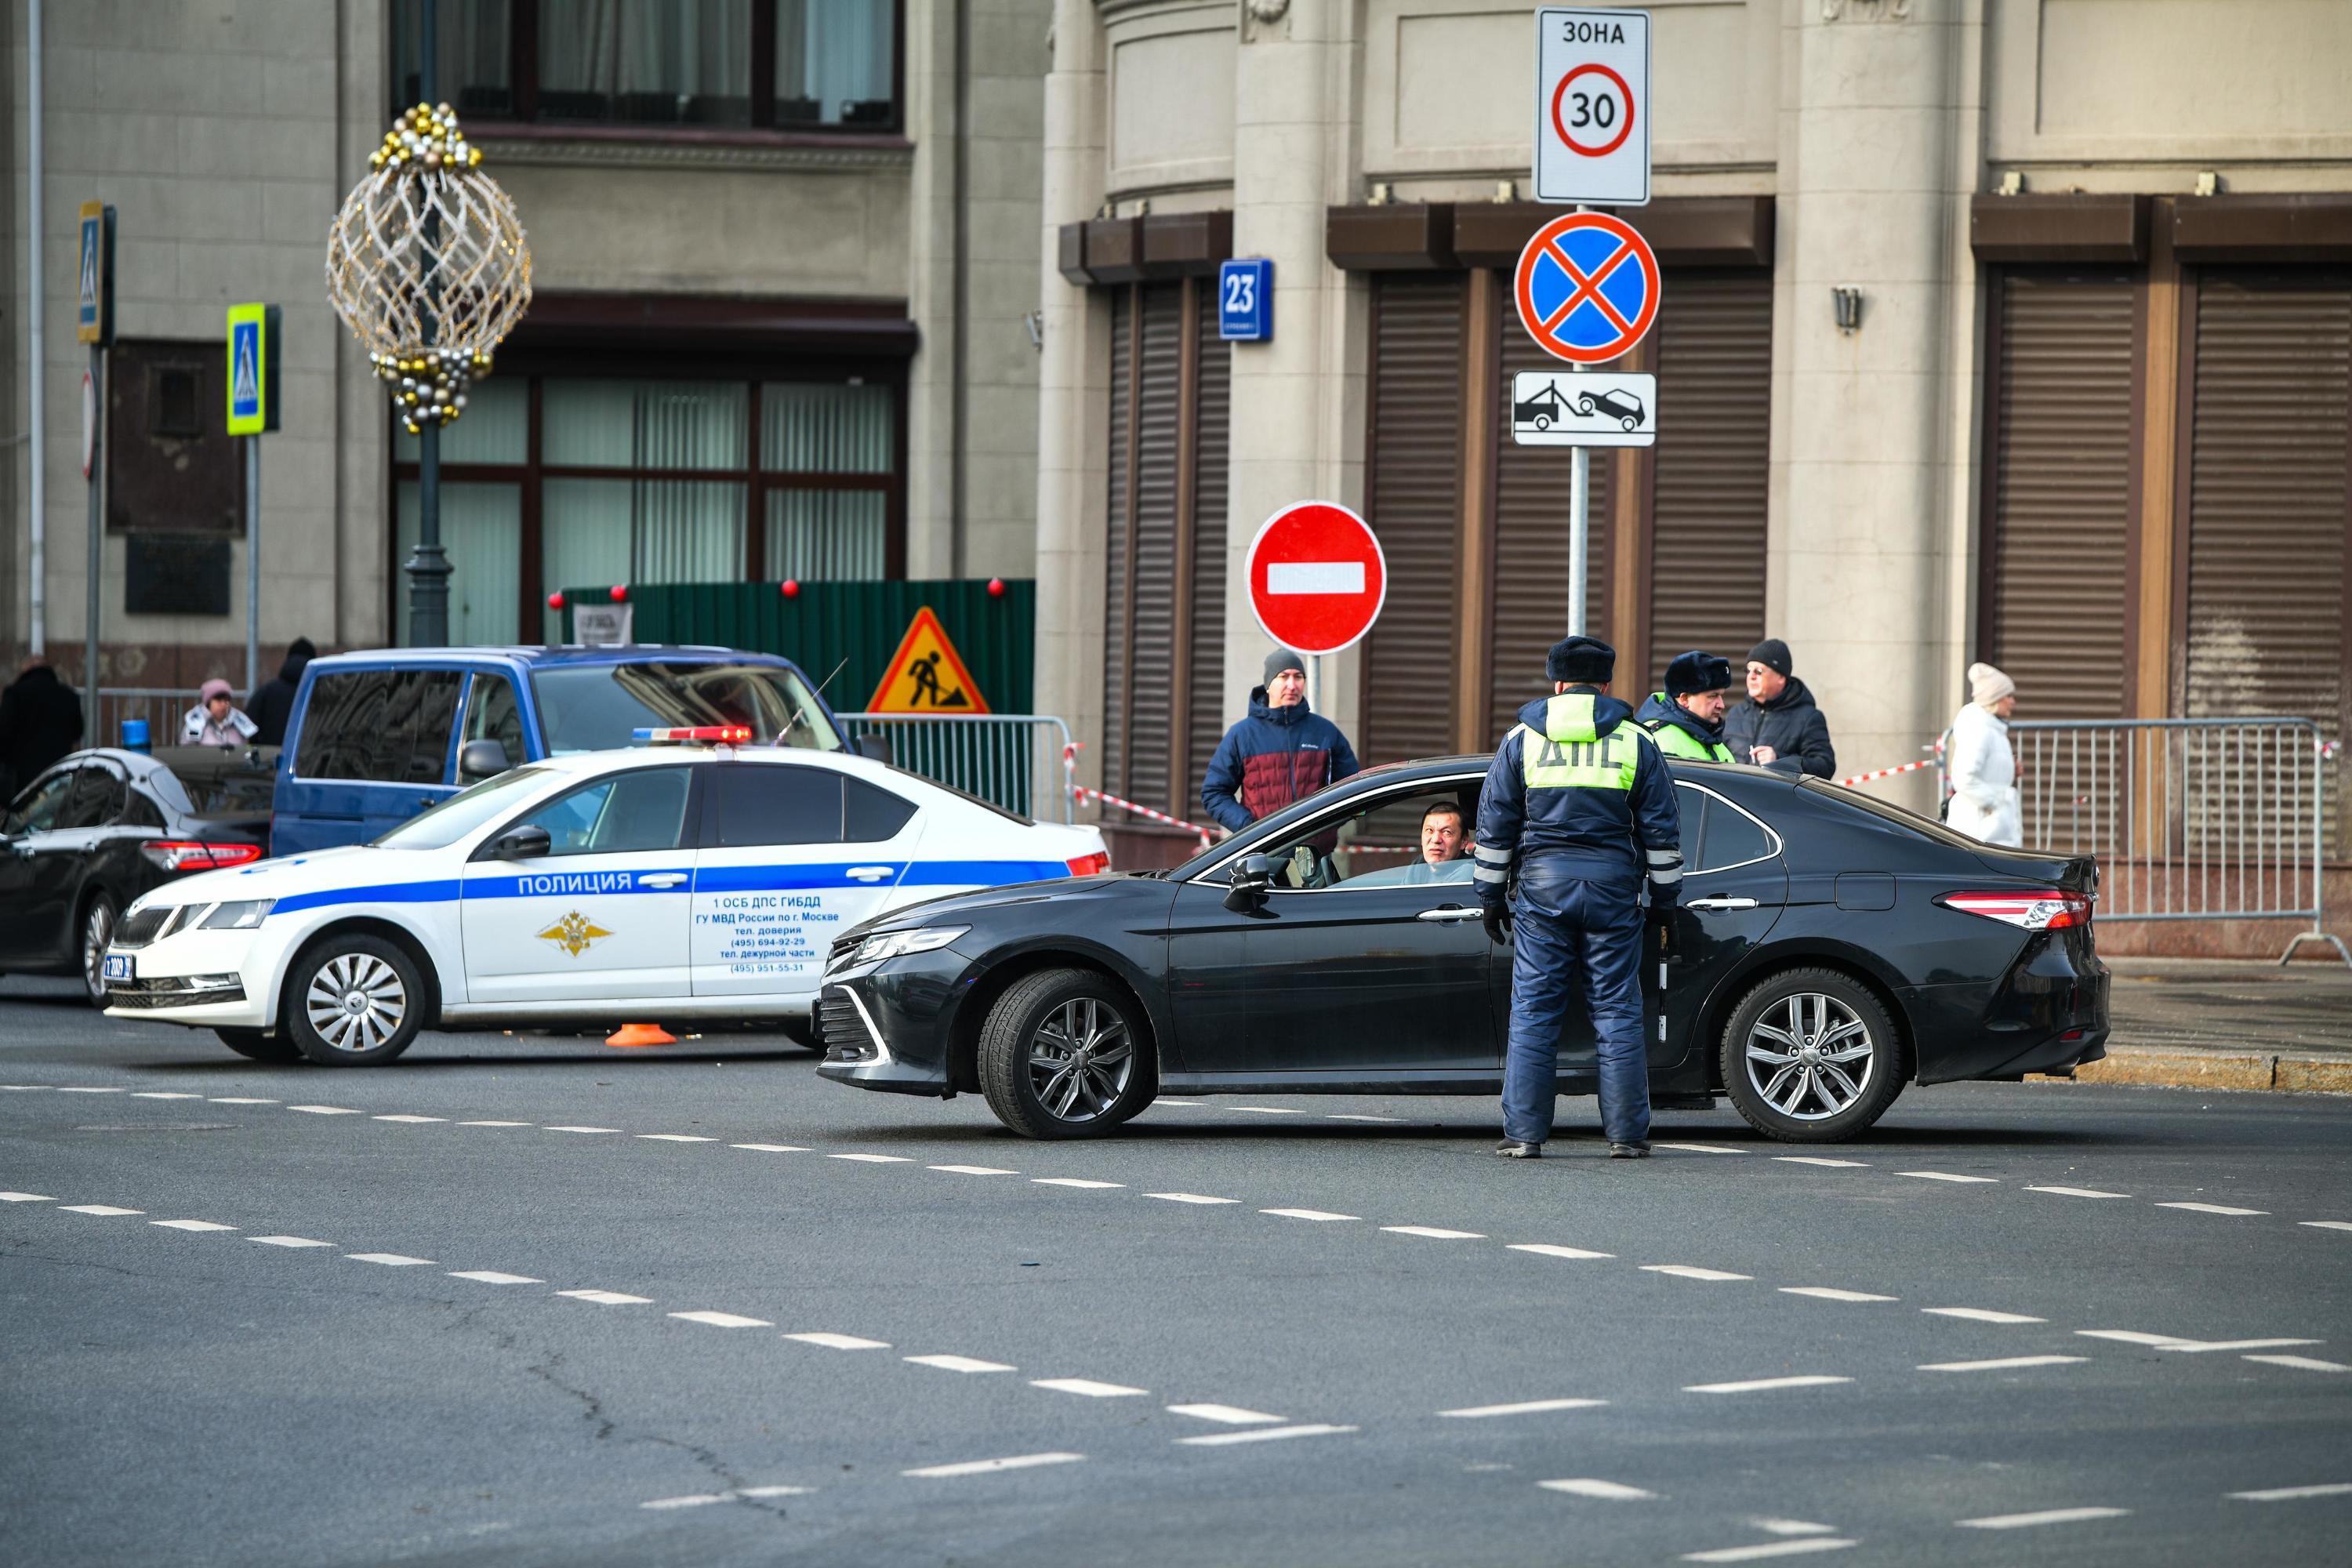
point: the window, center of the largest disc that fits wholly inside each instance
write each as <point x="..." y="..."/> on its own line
<point x="141" y="811"/>
<point x="628" y="813"/>
<point x="589" y="707"/>
<point x="681" y="65"/>
<point x="439" y="826"/>
<point x="1381" y="844"/>
<point x="575" y="482"/>
<point x="172" y="403"/>
<point x="389" y="726"/>
<point x="38" y="809"/>
<point x="171" y="464"/>
<point x="95" y="801"/>
<point x="492" y="714"/>
<point x="1717" y="836"/>
<point x="872" y="816"/>
<point x="764" y="803"/>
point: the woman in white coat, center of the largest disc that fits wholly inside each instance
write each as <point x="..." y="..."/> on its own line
<point x="1982" y="768"/>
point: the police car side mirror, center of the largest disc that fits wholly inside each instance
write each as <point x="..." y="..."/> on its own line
<point x="480" y="759"/>
<point x="528" y="842"/>
<point x="1250" y="878"/>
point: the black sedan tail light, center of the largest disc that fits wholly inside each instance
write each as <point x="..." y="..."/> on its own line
<point x="2029" y="908"/>
<point x="187" y="855"/>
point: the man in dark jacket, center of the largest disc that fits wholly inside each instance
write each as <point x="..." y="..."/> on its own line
<point x="273" y="705"/>
<point x="1686" y="718"/>
<point x="1281" y="753"/>
<point x="1779" y="726"/>
<point x="1578" y="801"/>
<point x="40" y="721"/>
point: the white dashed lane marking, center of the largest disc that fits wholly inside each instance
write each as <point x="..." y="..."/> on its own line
<point x="1525" y="1407"/>
<point x="1818" y="1159"/>
<point x="698" y="1500"/>
<point x="409" y="1119"/>
<point x="237" y="1099"/>
<point x="108" y="1209"/>
<point x="959" y="1363"/>
<point x="1433" y="1233"/>
<point x="494" y="1124"/>
<point x="2047" y="1516"/>
<point x="1308" y="1214"/>
<point x="2006" y="1363"/>
<point x="163" y="1094"/>
<point x="492" y="1277"/>
<point x="1189" y="1199"/>
<point x="2077" y="1192"/>
<point x="1545" y="1249"/>
<point x="327" y="1109"/>
<point x="840" y="1341"/>
<point x="1229" y="1414"/>
<point x="607" y="1298"/>
<point x="190" y="1225"/>
<point x="1592" y="1486"/>
<point x="675" y="1138"/>
<point x="771" y="1148"/>
<point x="560" y="1129"/>
<point x="1832" y="1293"/>
<point x="1073" y="1182"/>
<point x="1701" y="1149"/>
<point x="1358" y="1116"/>
<point x="2326" y="1224"/>
<point x="1944" y="1176"/>
<point x="973" y="1170"/>
<point x="987" y="1466"/>
<point x="288" y="1241"/>
<point x="1764" y="1550"/>
<point x="2199" y="1347"/>
<point x="723" y="1319"/>
<point x="389" y="1259"/>
<point x="1266" y="1110"/>
<point x="2300" y="1363"/>
<point x="1087" y="1386"/>
<point x="1764" y="1385"/>
<point x="1982" y="1315"/>
<point x="1690" y="1271"/>
<point x="2213" y="1208"/>
<point x="1263" y="1435"/>
<point x="85" y="1088"/>
<point x="2295" y="1494"/>
<point x="25" y="1198"/>
<point x="2133" y="1337"/>
<point x="874" y="1159"/>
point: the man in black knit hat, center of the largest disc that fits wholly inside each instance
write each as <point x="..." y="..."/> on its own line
<point x="1779" y="726"/>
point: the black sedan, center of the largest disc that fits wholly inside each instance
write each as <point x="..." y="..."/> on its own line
<point x="102" y="826"/>
<point x="1829" y="948"/>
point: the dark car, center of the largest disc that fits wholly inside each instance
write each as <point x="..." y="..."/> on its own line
<point x="102" y="828"/>
<point x="1829" y="948"/>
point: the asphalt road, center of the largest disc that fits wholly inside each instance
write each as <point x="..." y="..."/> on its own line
<point x="528" y="1302"/>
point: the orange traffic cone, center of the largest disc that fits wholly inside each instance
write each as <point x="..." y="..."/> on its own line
<point x="629" y="1034"/>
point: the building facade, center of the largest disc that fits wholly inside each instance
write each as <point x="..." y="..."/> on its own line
<point x="2091" y="424"/>
<point x="780" y="326"/>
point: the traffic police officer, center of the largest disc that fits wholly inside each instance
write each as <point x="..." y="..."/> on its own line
<point x="1686" y="718"/>
<point x="1579" y="804"/>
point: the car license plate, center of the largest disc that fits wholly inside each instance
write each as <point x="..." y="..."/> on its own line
<point x="120" y="966"/>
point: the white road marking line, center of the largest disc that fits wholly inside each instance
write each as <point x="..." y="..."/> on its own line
<point x="2212" y="1208"/>
<point x="1434" y="1233"/>
<point x="1186" y="1102"/>
<point x="288" y="1241"/>
<point x="237" y="1099"/>
<point x="1944" y="1176"/>
<point x="2006" y="1363"/>
<point x="327" y="1109"/>
<point x="832" y="1342"/>
<point x="1266" y="1110"/>
<point x="607" y="1298"/>
<point x="1700" y="1148"/>
<point x="973" y="1170"/>
<point x="1358" y="1116"/>
<point x="1189" y="1199"/>
<point x="1592" y="1486"/>
<point x="874" y="1159"/>
<point x="189" y="1225"/>
<point x="959" y="1363"/>
<point x="1263" y="1435"/>
<point x="2133" y="1337"/>
<point x="723" y="1319"/>
<point x="2077" y="1192"/>
<point x="1818" y="1159"/>
<point x="1308" y="1214"/>
<point x="774" y="1491"/>
<point x="408" y="1119"/>
<point x="108" y="1209"/>
<point x="2199" y="1347"/>
<point x="22" y="1088"/>
<point x="1545" y="1248"/>
<point x="163" y="1094"/>
<point x="389" y="1259"/>
<point x="1525" y="1407"/>
<point x="2291" y="1494"/>
<point x="1764" y="1549"/>
<point x="2047" y="1516"/>
<point x="2326" y="1224"/>
<point x="85" y="1088"/>
<point x="1691" y="1271"/>
<point x="986" y="1467"/>
<point x="675" y="1138"/>
<point x="492" y="1277"/>
<point x="2300" y="1363"/>
<point x="1762" y="1384"/>
<point x="1085" y="1385"/>
<point x="25" y="1198"/>
<point x="698" y="1500"/>
<point x="555" y="1128"/>
<point x="1072" y="1182"/>
<point x="1832" y="1293"/>
<point x="1230" y="1414"/>
<point x="494" y="1124"/>
<point x="1982" y="1315"/>
<point x="1792" y="1526"/>
<point x="771" y="1148"/>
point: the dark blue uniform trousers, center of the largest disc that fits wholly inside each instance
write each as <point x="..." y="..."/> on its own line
<point x="1571" y="934"/>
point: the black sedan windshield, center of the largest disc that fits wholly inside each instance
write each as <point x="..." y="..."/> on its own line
<point x="594" y="708"/>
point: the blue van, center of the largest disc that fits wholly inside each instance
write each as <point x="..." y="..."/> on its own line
<point x="376" y="738"/>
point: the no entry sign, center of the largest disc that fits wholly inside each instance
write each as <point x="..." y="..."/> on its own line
<point x="1587" y="288"/>
<point x="1316" y="577"/>
<point x="1593" y="106"/>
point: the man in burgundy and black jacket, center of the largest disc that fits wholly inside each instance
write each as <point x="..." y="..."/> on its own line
<point x="1281" y="753"/>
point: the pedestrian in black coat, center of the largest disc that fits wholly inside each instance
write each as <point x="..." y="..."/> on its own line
<point x="40" y="721"/>
<point x="273" y="705"/>
<point x="1779" y="726"/>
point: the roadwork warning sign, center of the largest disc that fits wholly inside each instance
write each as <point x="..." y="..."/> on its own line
<point x="925" y="675"/>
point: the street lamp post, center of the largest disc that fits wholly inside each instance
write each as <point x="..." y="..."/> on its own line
<point x="428" y="266"/>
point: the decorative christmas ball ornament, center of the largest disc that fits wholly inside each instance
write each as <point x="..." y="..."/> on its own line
<point x="619" y="594"/>
<point x="996" y="587"/>
<point x="791" y="587"/>
<point x="555" y="600"/>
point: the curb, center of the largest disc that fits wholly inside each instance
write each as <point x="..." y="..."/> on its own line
<point x="2305" y="1075"/>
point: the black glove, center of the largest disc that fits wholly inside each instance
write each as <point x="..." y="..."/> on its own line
<point x="1497" y="918"/>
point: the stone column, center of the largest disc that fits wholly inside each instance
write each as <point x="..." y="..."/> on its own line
<point x="1862" y="423"/>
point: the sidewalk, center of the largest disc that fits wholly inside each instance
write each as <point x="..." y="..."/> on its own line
<point x="2228" y="1024"/>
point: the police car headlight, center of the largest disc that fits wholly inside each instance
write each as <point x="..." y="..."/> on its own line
<point x="243" y="915"/>
<point x="899" y="944"/>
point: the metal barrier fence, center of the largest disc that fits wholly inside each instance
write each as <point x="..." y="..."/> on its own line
<point x="1009" y="760"/>
<point x="2191" y="819"/>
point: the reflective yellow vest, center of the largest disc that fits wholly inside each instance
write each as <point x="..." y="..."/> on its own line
<point x="1676" y="741"/>
<point x="1570" y="753"/>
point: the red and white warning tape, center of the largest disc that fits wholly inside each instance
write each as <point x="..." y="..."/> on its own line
<point x="1080" y="792"/>
<point x="1888" y="772"/>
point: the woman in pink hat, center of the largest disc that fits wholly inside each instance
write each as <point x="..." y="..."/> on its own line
<point x="215" y="720"/>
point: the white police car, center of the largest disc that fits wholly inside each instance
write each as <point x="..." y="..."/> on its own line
<point x="702" y="879"/>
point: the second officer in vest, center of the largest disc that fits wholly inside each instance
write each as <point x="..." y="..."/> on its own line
<point x="1686" y="718"/>
<point x="1579" y="808"/>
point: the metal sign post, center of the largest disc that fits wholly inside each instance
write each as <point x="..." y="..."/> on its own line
<point x="252" y="408"/>
<point x="94" y="325"/>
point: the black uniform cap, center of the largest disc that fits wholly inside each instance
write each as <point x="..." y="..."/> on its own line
<point x="1581" y="661"/>
<point x="1696" y="671"/>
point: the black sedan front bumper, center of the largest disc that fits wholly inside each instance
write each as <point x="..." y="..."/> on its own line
<point x="886" y="1026"/>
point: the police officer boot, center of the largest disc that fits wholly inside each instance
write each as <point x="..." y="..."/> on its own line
<point x="1515" y="1149"/>
<point x="1629" y="1151"/>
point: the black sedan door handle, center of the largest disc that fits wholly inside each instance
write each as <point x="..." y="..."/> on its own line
<point x="1720" y="904"/>
<point x="1450" y="912"/>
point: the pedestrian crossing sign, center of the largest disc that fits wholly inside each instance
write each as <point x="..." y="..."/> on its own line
<point x="926" y="675"/>
<point x="252" y="369"/>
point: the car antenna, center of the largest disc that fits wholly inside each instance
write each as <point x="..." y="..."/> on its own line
<point x="828" y="679"/>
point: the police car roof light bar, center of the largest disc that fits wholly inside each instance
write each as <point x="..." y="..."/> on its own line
<point x="697" y="735"/>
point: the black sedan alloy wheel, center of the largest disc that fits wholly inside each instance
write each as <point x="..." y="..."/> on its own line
<point x="1060" y="1058"/>
<point x="97" y="935"/>
<point x="1811" y="1057"/>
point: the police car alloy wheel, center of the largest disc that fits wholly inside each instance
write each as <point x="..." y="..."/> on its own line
<point x="97" y="933"/>
<point x="1811" y="1057"/>
<point x="354" y="1001"/>
<point x="1061" y="1056"/>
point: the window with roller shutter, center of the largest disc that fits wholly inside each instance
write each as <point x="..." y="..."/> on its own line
<point x="2054" y="610"/>
<point x="1212" y="427"/>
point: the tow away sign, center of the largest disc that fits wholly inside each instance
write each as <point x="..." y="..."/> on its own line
<point x="1593" y="106"/>
<point x="1596" y="408"/>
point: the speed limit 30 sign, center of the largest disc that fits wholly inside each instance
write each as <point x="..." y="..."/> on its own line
<point x="1593" y="106"/>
